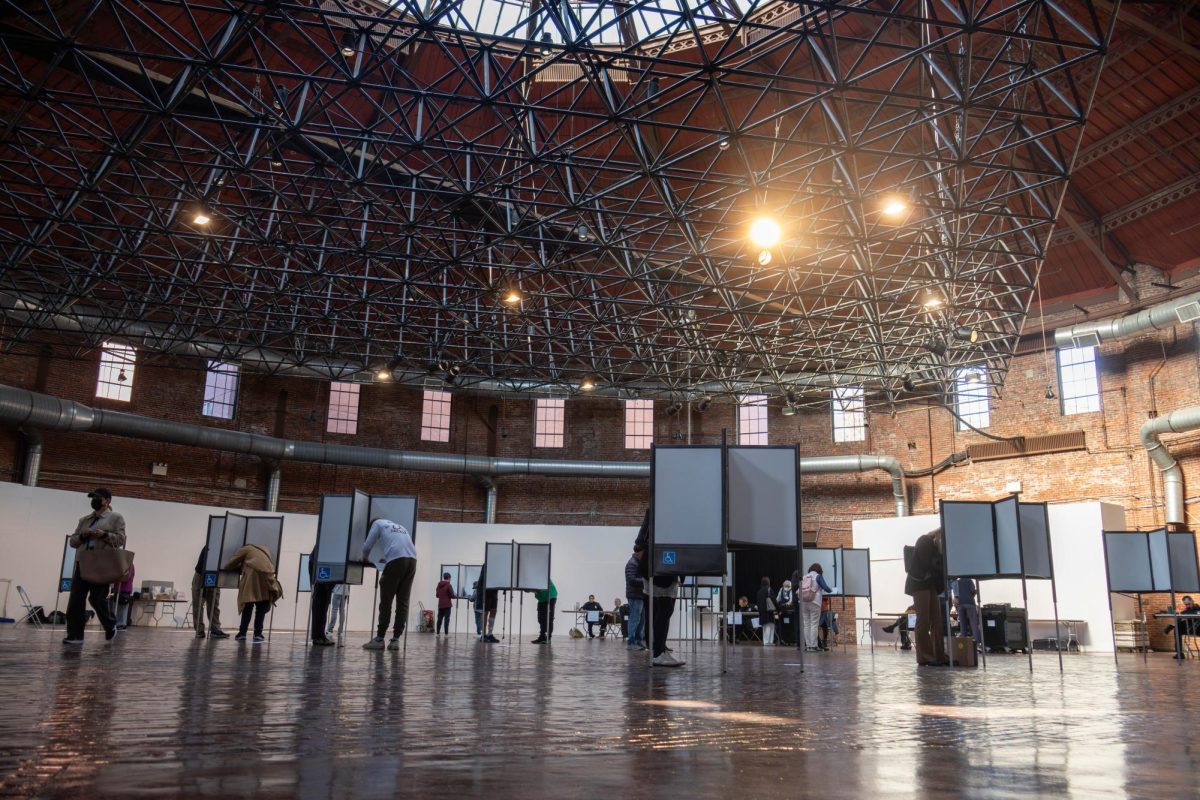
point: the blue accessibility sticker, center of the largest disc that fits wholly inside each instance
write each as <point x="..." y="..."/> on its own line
<point x="65" y="586"/>
<point x="324" y="573"/>
<point x="668" y="556"/>
<point x="210" y="580"/>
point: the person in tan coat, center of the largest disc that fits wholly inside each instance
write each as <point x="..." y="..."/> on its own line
<point x="258" y="588"/>
<point x="101" y="529"/>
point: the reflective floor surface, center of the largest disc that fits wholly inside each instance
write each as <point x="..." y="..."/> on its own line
<point x="160" y="714"/>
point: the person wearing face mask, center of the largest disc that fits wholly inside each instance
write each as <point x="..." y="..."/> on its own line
<point x="99" y="530"/>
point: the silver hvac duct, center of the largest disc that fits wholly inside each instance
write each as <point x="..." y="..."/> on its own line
<point x="32" y="410"/>
<point x="489" y="504"/>
<point x="1165" y="315"/>
<point x="33" y="456"/>
<point x="1185" y="419"/>
<point x="274" y="480"/>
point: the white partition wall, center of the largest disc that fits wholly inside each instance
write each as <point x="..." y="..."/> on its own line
<point x="167" y="538"/>
<point x="1076" y="539"/>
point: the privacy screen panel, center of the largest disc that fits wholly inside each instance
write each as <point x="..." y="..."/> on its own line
<point x="970" y="546"/>
<point x="333" y="538"/>
<point x="1128" y="556"/>
<point x="1007" y="516"/>
<point x="856" y="572"/>
<point x="1185" y="573"/>
<point x="762" y="496"/>
<point x="499" y="560"/>
<point x="1035" y="540"/>
<point x="533" y="567"/>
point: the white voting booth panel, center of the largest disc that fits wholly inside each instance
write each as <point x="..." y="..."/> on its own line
<point x="452" y="571"/>
<point x="333" y="542"/>
<point x="499" y="558"/>
<point x="468" y="574"/>
<point x="66" y="572"/>
<point x="303" y="578"/>
<point x="763" y="490"/>
<point x="267" y="533"/>
<point x="1077" y="543"/>
<point x="234" y="539"/>
<point x="533" y="567"/>
<point x="687" y="510"/>
<point x="827" y="557"/>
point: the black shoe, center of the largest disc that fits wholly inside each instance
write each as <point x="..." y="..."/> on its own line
<point x="323" y="642"/>
<point x="540" y="640"/>
<point x="889" y="628"/>
<point x="241" y="637"/>
<point x="219" y="635"/>
<point x="109" y="634"/>
<point x="259" y="638"/>
<point x="200" y="635"/>
<point x="491" y="639"/>
<point x="906" y="647"/>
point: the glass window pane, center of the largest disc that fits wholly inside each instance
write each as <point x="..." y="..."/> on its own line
<point x="117" y="365"/>
<point x="639" y="424"/>
<point x="220" y="390"/>
<point x="752" y="419"/>
<point x="435" y="416"/>
<point x="343" y="408"/>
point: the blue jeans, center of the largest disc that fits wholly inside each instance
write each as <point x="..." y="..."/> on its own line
<point x="637" y="622"/>
<point x="478" y="621"/>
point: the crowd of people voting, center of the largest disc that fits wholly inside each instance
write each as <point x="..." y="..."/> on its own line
<point x="798" y="611"/>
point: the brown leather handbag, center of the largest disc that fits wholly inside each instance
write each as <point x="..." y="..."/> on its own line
<point x="104" y="565"/>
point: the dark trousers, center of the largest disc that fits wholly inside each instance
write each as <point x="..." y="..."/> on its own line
<point x="322" y="593"/>
<point x="395" y="585"/>
<point x="545" y="613"/>
<point x="259" y="610"/>
<point x="664" y="607"/>
<point x="443" y="617"/>
<point x="83" y="592"/>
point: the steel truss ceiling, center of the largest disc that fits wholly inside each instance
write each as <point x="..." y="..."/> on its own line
<point x="378" y="178"/>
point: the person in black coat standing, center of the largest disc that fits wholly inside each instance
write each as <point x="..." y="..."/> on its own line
<point x="766" y="611"/>
<point x="926" y="580"/>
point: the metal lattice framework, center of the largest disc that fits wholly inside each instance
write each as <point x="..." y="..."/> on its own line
<point x="378" y="178"/>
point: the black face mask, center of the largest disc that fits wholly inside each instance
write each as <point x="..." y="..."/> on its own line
<point x="97" y="504"/>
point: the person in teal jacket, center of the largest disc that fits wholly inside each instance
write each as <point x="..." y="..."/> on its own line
<point x="546" y="601"/>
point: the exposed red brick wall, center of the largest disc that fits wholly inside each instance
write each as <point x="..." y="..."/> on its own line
<point x="1139" y="378"/>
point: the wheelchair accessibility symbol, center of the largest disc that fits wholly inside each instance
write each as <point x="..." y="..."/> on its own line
<point x="210" y="580"/>
<point x="324" y="573"/>
<point x="669" y="557"/>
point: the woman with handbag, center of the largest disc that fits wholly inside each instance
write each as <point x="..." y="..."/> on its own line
<point x="100" y="561"/>
<point x="258" y="588"/>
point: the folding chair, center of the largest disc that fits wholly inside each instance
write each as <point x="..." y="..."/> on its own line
<point x="31" y="611"/>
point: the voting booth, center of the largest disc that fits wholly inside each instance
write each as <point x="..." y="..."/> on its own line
<point x="66" y="571"/>
<point x="999" y="539"/>
<point x="1147" y="562"/>
<point x="687" y="510"/>
<point x="227" y="534"/>
<point x="342" y="528"/>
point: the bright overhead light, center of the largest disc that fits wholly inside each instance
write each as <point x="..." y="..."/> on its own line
<point x="974" y="377"/>
<point x="512" y="297"/>
<point x="765" y="233"/>
<point x="348" y="45"/>
<point x="933" y="300"/>
<point x="894" y="207"/>
<point x="764" y="258"/>
<point x="201" y="218"/>
<point x="587" y="384"/>
<point x="545" y="49"/>
<point x="384" y="374"/>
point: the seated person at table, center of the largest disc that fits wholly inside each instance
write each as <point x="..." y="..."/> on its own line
<point x="902" y="623"/>
<point x="745" y="630"/>
<point x="590" y="606"/>
<point x="618" y="614"/>
<point x="1187" y="627"/>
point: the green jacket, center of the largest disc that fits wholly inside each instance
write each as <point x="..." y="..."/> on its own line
<point x="548" y="595"/>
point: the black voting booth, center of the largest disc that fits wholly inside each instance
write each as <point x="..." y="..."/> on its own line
<point x="708" y="500"/>
<point x="1148" y="562"/>
<point x="1004" y="539"/>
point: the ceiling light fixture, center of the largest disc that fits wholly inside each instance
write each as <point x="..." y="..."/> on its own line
<point x="894" y="206"/>
<point x="908" y="384"/>
<point x="545" y="49"/>
<point x="587" y="384"/>
<point x="933" y="300"/>
<point x="383" y="374"/>
<point x="276" y="159"/>
<point x="973" y="377"/>
<point x="512" y="297"/>
<point x="674" y="408"/>
<point x="935" y="346"/>
<point x="764" y="258"/>
<point x="789" y="410"/>
<point x="765" y="233"/>
<point x="965" y="333"/>
<point x="122" y="377"/>
<point x="348" y="45"/>
<point x="704" y="403"/>
<point x="581" y="232"/>
<point x="201" y="218"/>
<point x="1050" y="395"/>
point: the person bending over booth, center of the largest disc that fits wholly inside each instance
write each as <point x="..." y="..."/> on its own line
<point x="592" y="605"/>
<point x="103" y="529"/>
<point x="923" y="563"/>
<point x="206" y="602"/>
<point x="547" y="599"/>
<point x="258" y="588"/>
<point x="397" y="567"/>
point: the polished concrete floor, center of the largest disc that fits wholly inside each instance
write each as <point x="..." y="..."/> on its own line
<point x="160" y="714"/>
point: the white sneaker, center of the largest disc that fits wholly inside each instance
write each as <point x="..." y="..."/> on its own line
<point x="679" y="662"/>
<point x="665" y="660"/>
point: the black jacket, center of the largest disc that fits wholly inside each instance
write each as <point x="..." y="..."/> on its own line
<point x="765" y="616"/>
<point x="927" y="570"/>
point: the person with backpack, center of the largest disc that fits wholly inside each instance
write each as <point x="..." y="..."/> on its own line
<point x="811" y="588"/>
<point x="923" y="563"/>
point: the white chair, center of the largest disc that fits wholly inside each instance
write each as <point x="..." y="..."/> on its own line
<point x="31" y="611"/>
